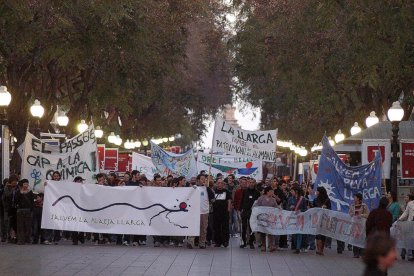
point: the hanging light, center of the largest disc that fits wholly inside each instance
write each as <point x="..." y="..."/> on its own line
<point x="165" y="140"/>
<point x="118" y="140"/>
<point x="303" y="152"/>
<point x="372" y="119"/>
<point x="396" y="112"/>
<point x="98" y="132"/>
<point x="112" y="138"/>
<point x="128" y="144"/>
<point x="5" y="96"/>
<point x="355" y="129"/>
<point x="62" y="119"/>
<point x="332" y="142"/>
<point x="297" y="150"/>
<point x="37" y="109"/>
<point x="137" y="144"/>
<point x="339" y="136"/>
<point x="145" y="143"/>
<point x="171" y="139"/>
<point x="82" y="126"/>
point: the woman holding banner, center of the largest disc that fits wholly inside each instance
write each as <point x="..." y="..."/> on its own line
<point x="297" y="203"/>
<point x="268" y="200"/>
<point x="321" y="201"/>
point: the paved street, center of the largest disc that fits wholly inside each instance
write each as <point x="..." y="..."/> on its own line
<point x="66" y="259"/>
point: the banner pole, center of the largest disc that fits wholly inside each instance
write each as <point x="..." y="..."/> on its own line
<point x="211" y="155"/>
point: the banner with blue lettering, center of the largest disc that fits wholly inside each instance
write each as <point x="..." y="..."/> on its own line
<point x="175" y="164"/>
<point x="342" y="182"/>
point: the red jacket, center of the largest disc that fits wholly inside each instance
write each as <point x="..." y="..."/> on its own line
<point x="238" y="195"/>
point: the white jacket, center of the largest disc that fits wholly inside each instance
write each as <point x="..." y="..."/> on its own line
<point x="409" y="212"/>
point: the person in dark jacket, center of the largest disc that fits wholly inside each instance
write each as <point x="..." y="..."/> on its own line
<point x="250" y="195"/>
<point x="9" y="203"/>
<point x="380" y="254"/>
<point x="24" y="205"/>
<point x="380" y="219"/>
<point x="321" y="201"/>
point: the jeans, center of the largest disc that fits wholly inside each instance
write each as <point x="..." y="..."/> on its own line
<point x="298" y="241"/>
<point x="233" y="222"/>
<point x="246" y="230"/>
<point x="311" y="242"/>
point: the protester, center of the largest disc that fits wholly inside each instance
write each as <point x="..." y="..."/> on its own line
<point x="9" y="203"/>
<point x="37" y="221"/>
<point x="267" y="200"/>
<point x="358" y="209"/>
<point x="393" y="207"/>
<point x="78" y="236"/>
<point x="321" y="201"/>
<point x="282" y="195"/>
<point x="231" y="186"/>
<point x="380" y="254"/>
<point x="3" y="220"/>
<point x="249" y="196"/>
<point x="221" y="209"/>
<point x="206" y="196"/>
<point x="297" y="203"/>
<point x="379" y="219"/>
<point x="408" y="215"/>
<point x="24" y="205"/>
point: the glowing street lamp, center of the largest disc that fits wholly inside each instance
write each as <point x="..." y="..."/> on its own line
<point x="339" y="136"/>
<point x="118" y="140"/>
<point x="355" y="129"/>
<point x="98" y="132"/>
<point x="112" y="138"/>
<point x="62" y="119"/>
<point x="171" y="139"/>
<point x="332" y="142"/>
<point x="371" y="120"/>
<point x="5" y="96"/>
<point x="37" y="109"/>
<point x="82" y="127"/>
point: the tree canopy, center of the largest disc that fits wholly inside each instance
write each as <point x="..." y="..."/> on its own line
<point x="316" y="66"/>
<point x="160" y="66"/>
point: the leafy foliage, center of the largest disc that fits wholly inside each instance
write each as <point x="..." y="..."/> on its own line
<point x="316" y="66"/>
<point x="161" y="66"/>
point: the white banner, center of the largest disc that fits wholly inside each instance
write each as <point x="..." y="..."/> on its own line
<point x="239" y="142"/>
<point x="370" y="147"/>
<point x="144" y="165"/>
<point x="121" y="210"/>
<point x="226" y="164"/>
<point x="317" y="221"/>
<point x="74" y="157"/>
<point x="175" y="164"/>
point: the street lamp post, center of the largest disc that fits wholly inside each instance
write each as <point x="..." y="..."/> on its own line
<point x="37" y="111"/>
<point x="395" y="115"/>
<point x="5" y="99"/>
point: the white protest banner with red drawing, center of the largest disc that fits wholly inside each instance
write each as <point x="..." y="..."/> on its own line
<point x="121" y="210"/>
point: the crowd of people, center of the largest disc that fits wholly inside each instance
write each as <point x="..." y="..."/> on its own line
<point x="226" y="207"/>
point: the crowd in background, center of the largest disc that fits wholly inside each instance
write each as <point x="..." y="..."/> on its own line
<point x="225" y="210"/>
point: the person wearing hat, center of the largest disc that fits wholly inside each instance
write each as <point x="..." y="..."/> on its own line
<point x="358" y="209"/>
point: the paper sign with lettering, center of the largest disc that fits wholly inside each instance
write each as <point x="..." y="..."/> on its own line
<point x="121" y="210"/>
<point x="342" y="182"/>
<point x="74" y="157"/>
<point x="235" y="141"/>
<point x="226" y="164"/>
<point x="144" y="165"/>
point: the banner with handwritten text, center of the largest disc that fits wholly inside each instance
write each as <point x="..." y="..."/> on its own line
<point x="121" y="210"/>
<point x="239" y="142"/>
<point x="74" y="157"/>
